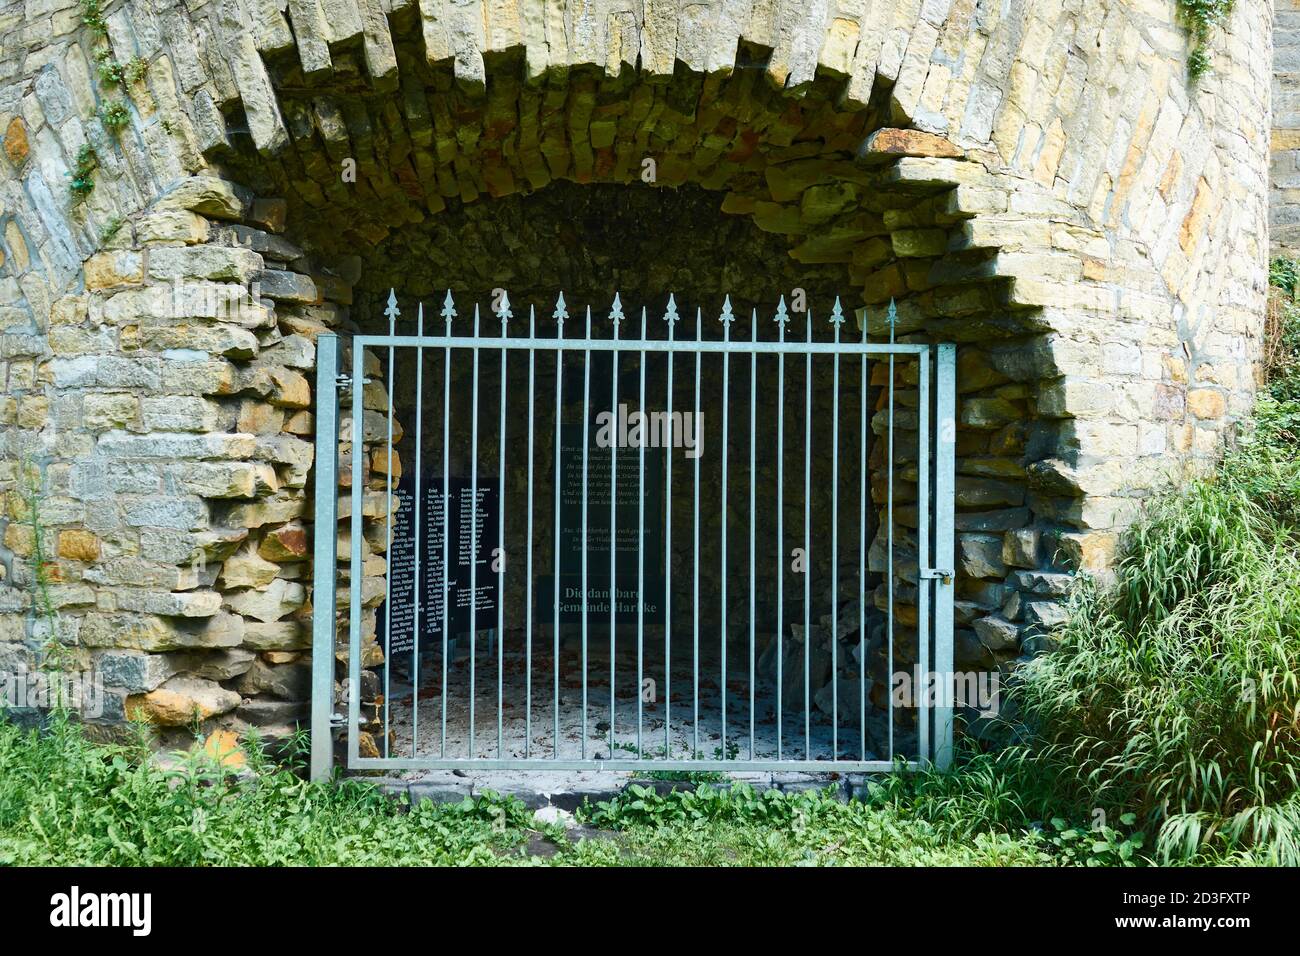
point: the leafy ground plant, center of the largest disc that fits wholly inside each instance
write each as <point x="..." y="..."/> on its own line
<point x="67" y="802"/>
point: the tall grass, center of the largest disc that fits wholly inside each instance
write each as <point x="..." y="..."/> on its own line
<point x="1176" y="694"/>
<point x="1173" y="695"/>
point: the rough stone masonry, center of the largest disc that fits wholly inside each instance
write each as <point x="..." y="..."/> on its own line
<point x="1036" y="180"/>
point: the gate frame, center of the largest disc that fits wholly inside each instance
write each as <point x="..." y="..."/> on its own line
<point x="936" y="719"/>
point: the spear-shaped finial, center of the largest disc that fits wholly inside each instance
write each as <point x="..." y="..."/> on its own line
<point x="616" y="310"/>
<point x="671" y="315"/>
<point x="726" y="318"/>
<point x="561" y="311"/>
<point x="892" y="317"/>
<point x="503" y="307"/>
<point x="837" y="313"/>
<point x="448" y="308"/>
<point x="782" y="317"/>
<point x="392" y="311"/>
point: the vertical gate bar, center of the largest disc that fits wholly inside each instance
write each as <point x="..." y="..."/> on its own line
<point x="501" y="532"/>
<point x="923" y="555"/>
<point x="324" y="623"/>
<point x="807" y="545"/>
<point x="836" y="320"/>
<point x="448" y="311"/>
<point x="671" y="318"/>
<point x="944" y="484"/>
<point x="559" y="315"/>
<point x="726" y="400"/>
<point x="473" y="535"/>
<point x="695" y="654"/>
<point x="528" y="582"/>
<point x="889" y="532"/>
<point x="753" y="405"/>
<point x="586" y="431"/>
<point x="355" y="564"/>
<point x="616" y="316"/>
<point x="640" y="554"/>
<point x="392" y="313"/>
<point x="863" y="412"/>
<point x="780" y="529"/>
<point x="417" y="505"/>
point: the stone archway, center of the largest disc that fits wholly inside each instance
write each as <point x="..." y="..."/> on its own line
<point x="880" y="207"/>
<point x="982" y="171"/>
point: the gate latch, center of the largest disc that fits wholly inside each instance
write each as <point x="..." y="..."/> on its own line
<point x="944" y="575"/>
<point x="344" y="382"/>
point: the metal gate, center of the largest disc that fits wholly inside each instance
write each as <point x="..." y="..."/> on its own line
<point x="512" y="676"/>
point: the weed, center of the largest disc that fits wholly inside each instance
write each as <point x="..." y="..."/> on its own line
<point x="115" y="116"/>
<point x="110" y="230"/>
<point x="83" y="173"/>
<point x="29" y="492"/>
<point x="135" y="69"/>
<point x="109" y="70"/>
<point x="92" y="15"/>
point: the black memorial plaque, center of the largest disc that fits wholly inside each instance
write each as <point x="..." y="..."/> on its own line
<point x="634" y="487"/>
<point x="397" y="616"/>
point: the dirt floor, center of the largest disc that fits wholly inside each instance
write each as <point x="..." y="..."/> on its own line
<point x="678" y="718"/>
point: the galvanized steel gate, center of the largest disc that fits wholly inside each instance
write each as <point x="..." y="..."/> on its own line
<point x="623" y="741"/>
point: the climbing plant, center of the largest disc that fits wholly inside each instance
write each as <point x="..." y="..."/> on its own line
<point x="1200" y="17"/>
<point x="29" y="494"/>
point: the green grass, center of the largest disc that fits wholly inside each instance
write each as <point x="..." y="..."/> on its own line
<point x="66" y="801"/>
<point x="1178" y="693"/>
<point x="739" y="826"/>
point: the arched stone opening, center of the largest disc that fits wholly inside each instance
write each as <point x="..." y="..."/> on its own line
<point x="475" y="192"/>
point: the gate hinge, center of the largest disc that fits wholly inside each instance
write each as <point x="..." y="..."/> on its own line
<point x="338" y="721"/>
<point x="344" y="382"/>
<point x="937" y="574"/>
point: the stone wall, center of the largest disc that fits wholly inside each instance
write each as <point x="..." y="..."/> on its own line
<point x="1284" y="181"/>
<point x="1036" y="181"/>
<point x="175" y="485"/>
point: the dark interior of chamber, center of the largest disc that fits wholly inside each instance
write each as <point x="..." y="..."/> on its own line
<point x="737" y="588"/>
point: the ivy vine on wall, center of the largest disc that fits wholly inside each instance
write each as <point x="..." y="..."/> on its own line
<point x="1200" y="17"/>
